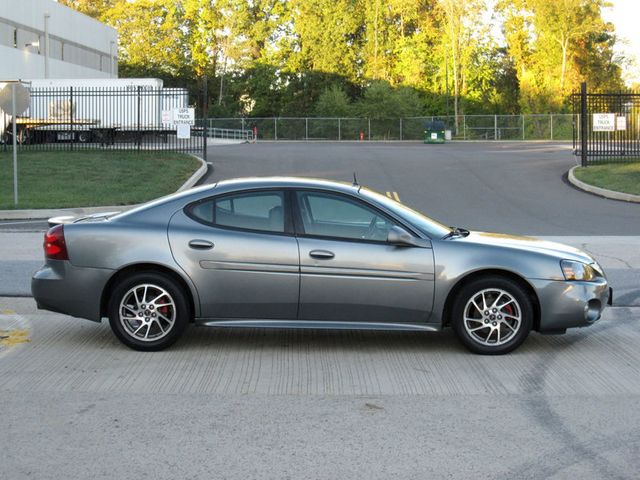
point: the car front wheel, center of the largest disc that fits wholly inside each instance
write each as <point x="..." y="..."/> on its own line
<point x="148" y="311"/>
<point x="492" y="315"/>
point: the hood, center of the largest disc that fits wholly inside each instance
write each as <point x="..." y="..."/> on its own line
<point x="530" y="244"/>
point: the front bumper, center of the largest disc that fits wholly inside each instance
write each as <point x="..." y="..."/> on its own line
<point x="60" y="287"/>
<point x="571" y="304"/>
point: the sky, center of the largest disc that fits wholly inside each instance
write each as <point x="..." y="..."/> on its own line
<point x="625" y="15"/>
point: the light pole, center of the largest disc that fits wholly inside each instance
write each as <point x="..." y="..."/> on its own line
<point x="46" y="44"/>
<point x="111" y="69"/>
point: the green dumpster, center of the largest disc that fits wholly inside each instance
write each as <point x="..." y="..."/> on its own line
<point x="434" y="132"/>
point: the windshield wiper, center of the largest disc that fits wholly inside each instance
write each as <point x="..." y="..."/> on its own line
<point x="456" y="232"/>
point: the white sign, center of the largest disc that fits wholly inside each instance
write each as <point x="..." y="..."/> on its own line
<point x="184" y="116"/>
<point x="183" y="130"/>
<point x="604" y="122"/>
<point x="167" y="116"/>
<point x="621" y="123"/>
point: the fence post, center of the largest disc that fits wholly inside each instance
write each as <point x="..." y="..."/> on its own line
<point x="139" y="135"/>
<point x="495" y="127"/>
<point x="551" y="124"/>
<point x="73" y="135"/>
<point x="522" y="126"/>
<point x="306" y="128"/>
<point x="205" y="111"/>
<point x="464" y="127"/>
<point x="583" y="124"/>
<point x="275" y="128"/>
<point x="369" y="128"/>
<point x="339" y="132"/>
<point x="400" y="128"/>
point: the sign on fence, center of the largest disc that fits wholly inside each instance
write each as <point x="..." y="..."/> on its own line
<point x="184" y="116"/>
<point x="621" y="123"/>
<point x="604" y="122"/>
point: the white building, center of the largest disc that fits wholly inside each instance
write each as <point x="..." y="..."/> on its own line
<point x="43" y="39"/>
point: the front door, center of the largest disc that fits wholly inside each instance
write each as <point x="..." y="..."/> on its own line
<point x="241" y="254"/>
<point x="348" y="270"/>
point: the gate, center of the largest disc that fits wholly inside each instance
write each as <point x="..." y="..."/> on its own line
<point x="606" y="126"/>
<point x="86" y="118"/>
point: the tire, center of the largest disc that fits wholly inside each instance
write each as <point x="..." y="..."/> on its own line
<point x="84" y="137"/>
<point x="492" y="315"/>
<point x="162" y="303"/>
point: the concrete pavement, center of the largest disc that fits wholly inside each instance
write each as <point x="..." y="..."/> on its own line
<point x="273" y="404"/>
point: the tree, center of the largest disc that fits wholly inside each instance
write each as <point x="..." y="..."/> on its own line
<point x="333" y="102"/>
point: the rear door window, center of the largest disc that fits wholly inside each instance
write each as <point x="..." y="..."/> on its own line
<point x="259" y="211"/>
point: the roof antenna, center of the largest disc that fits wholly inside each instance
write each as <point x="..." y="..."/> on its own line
<point x="355" y="180"/>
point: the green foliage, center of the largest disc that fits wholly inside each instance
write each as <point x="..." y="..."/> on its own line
<point x="380" y="100"/>
<point x="333" y="102"/>
<point x="365" y="57"/>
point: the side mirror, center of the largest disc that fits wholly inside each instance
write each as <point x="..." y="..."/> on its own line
<point x="400" y="237"/>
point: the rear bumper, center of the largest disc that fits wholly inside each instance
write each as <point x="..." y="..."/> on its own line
<point x="571" y="304"/>
<point x="60" y="287"/>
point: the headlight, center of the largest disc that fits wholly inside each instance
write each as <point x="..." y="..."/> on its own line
<point x="573" y="270"/>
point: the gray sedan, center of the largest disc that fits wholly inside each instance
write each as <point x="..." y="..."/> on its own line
<point x="302" y="253"/>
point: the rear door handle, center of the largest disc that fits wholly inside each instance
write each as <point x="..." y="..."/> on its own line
<point x="325" y="254"/>
<point x="201" y="244"/>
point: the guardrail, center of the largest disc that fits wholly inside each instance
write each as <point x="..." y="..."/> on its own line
<point x="463" y="127"/>
<point x="230" y="134"/>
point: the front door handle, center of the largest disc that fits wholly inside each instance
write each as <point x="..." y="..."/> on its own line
<point x="325" y="254"/>
<point x="201" y="244"/>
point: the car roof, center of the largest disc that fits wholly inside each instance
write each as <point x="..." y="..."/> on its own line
<point x="234" y="185"/>
<point x="283" y="182"/>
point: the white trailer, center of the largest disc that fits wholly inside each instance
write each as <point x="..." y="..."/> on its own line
<point x="102" y="110"/>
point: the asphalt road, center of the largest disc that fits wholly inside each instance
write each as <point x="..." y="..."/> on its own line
<point x="491" y="186"/>
<point x="245" y="404"/>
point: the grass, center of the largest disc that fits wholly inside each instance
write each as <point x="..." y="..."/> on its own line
<point x="621" y="177"/>
<point x="91" y="178"/>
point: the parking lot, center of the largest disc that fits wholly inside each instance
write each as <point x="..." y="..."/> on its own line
<point x="248" y="403"/>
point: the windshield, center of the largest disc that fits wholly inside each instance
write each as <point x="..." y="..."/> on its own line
<point x="426" y="225"/>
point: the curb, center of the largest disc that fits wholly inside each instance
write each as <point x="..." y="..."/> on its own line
<point x="603" y="192"/>
<point x="75" y="211"/>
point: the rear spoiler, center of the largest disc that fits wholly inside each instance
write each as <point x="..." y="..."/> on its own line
<point x="65" y="219"/>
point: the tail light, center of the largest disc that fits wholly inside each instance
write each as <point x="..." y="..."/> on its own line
<point x="55" y="247"/>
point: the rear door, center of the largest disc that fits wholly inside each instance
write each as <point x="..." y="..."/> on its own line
<point x="241" y="253"/>
<point x="348" y="270"/>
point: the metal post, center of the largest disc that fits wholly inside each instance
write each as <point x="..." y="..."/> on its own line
<point x="46" y="45"/>
<point x="205" y="114"/>
<point x="551" y="124"/>
<point x="73" y="135"/>
<point x="401" y="129"/>
<point x="339" y="132"/>
<point x="522" y="126"/>
<point x="15" y="143"/>
<point x="275" y="129"/>
<point x="306" y="128"/>
<point x="139" y="112"/>
<point x="495" y="127"/>
<point x="369" y="130"/>
<point x="464" y="126"/>
<point x="583" y="124"/>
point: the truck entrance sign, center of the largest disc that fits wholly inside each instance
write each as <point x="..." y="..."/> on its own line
<point x="604" y="122"/>
<point x="184" y="116"/>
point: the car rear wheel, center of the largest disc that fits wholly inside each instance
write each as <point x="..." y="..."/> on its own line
<point x="492" y="315"/>
<point x="148" y="311"/>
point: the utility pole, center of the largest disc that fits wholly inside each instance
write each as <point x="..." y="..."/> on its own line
<point x="46" y="44"/>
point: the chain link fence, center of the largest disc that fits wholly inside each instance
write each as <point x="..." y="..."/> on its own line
<point x="462" y="127"/>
